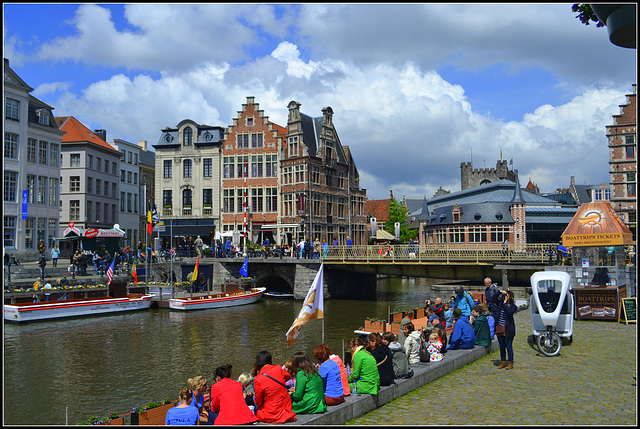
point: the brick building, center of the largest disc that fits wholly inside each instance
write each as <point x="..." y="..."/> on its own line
<point x="320" y="184"/>
<point x="623" y="150"/>
<point x="253" y="142"/>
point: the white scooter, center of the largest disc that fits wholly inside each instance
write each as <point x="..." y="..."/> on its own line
<point x="551" y="310"/>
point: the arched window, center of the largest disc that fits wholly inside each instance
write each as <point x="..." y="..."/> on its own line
<point x="187" y="136"/>
<point x="186" y="198"/>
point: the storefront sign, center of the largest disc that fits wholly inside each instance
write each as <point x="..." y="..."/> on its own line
<point x="597" y="303"/>
<point x="608" y="239"/>
<point x="91" y="232"/>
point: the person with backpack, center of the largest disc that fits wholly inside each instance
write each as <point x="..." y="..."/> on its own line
<point x="401" y="368"/>
<point x="464" y="302"/>
<point x="481" y="327"/>
<point x="412" y="343"/>
<point x="491" y="290"/>
<point x="463" y="335"/>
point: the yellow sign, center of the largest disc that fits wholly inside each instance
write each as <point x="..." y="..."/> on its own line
<point x="608" y="239"/>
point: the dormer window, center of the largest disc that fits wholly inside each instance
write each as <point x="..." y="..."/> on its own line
<point x="499" y="216"/>
<point x="43" y="116"/>
<point x="477" y="216"/>
<point x="249" y="122"/>
<point x="442" y="217"/>
<point x="187" y="137"/>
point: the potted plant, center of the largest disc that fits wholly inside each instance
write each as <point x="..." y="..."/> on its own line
<point x="374" y="325"/>
<point x="151" y="414"/>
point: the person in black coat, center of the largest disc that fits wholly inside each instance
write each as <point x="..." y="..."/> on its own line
<point x="383" y="356"/>
<point x="82" y="264"/>
<point x="504" y="317"/>
<point x="42" y="262"/>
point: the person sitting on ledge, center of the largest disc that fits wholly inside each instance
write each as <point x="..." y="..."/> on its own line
<point x="463" y="336"/>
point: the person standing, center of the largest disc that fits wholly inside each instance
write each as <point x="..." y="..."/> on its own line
<point x="227" y="248"/>
<point x="55" y="254"/>
<point x="42" y="262"/>
<point x="301" y="247"/>
<point x="199" y="245"/>
<point x="464" y="301"/>
<point x="506" y="327"/>
<point x="47" y="289"/>
<point x="96" y="262"/>
<point x="325" y="249"/>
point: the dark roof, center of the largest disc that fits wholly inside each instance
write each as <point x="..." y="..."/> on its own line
<point x="311" y="129"/>
<point x="517" y="194"/>
<point x="206" y="135"/>
<point x="483" y="213"/>
<point x="582" y="192"/>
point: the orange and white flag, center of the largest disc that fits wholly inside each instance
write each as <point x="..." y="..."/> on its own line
<point x="313" y="307"/>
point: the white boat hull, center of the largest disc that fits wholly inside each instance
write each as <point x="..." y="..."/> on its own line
<point x="26" y="312"/>
<point x="217" y="300"/>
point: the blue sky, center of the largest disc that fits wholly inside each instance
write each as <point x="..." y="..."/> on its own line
<point x="415" y="88"/>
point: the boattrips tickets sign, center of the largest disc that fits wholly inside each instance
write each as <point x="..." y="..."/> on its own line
<point x="596" y="224"/>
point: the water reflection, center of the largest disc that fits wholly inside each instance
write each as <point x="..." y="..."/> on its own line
<point x="114" y="362"/>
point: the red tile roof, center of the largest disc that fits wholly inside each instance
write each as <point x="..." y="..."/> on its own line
<point x="77" y="132"/>
<point x="378" y="209"/>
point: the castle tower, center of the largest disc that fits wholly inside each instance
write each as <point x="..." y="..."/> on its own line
<point x="471" y="178"/>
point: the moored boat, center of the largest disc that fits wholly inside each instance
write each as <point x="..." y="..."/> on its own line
<point x="35" y="311"/>
<point x="278" y="295"/>
<point x="218" y="300"/>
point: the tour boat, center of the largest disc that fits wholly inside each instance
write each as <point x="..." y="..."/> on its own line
<point x="218" y="300"/>
<point x="278" y="295"/>
<point x="34" y="311"/>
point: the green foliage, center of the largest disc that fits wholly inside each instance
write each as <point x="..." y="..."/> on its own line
<point x="586" y="14"/>
<point x="398" y="213"/>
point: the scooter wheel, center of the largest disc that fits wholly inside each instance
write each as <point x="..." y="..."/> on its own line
<point x="549" y="343"/>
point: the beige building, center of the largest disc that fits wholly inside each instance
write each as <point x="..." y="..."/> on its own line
<point x="187" y="179"/>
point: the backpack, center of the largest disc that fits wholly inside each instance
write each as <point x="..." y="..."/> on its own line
<point x="424" y="351"/>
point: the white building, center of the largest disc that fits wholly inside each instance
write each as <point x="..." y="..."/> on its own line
<point x="32" y="145"/>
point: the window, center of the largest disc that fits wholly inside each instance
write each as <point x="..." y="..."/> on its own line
<point x="240" y="201"/>
<point x="271" y="166"/>
<point x="135" y="159"/>
<point x="601" y="194"/>
<point x="41" y="231"/>
<point x="129" y="157"/>
<point x="31" y="150"/>
<point x="42" y="152"/>
<point x="122" y="201"/>
<point x="12" y="109"/>
<point x="329" y="176"/>
<point x="477" y="235"/>
<point x="43" y="183"/>
<point x="74" y="209"/>
<point x="90" y="185"/>
<point x="106" y="188"/>
<point x="123" y="155"/>
<point x="187" y="136"/>
<point x="113" y="213"/>
<point x="299" y="169"/>
<point x="287" y="175"/>
<point x="227" y="201"/>
<point x="129" y="208"/>
<point x="631" y="177"/>
<point x="89" y="211"/>
<point x="9" y="234"/>
<point x="630" y="152"/>
<point x="75" y="160"/>
<point x="53" y="192"/>
<point x="135" y="178"/>
<point x="242" y="141"/>
<point x="287" y="204"/>
<point x="186" y="168"/>
<point x="207" y="167"/>
<point x="257" y="202"/>
<point x="256" y="140"/>
<point x="98" y="207"/>
<point x="74" y="184"/>
<point x="341" y="180"/>
<point x="256" y="166"/>
<point x="341" y="207"/>
<point x="129" y="176"/>
<point x="11" y="145"/>
<point x="54" y="154"/>
<point x="90" y="161"/>
<point x="293" y="146"/>
<point x="98" y="186"/>
<point x="98" y="163"/>
<point x="53" y="229"/>
<point x="242" y="160"/>
<point x="207" y="198"/>
<point x="114" y="168"/>
<point x="456" y="235"/>
<point x="31" y="188"/>
<point x="250" y="122"/>
<point x="10" y="185"/>
<point x="228" y="167"/>
<point x="631" y="189"/>
<point x="167" y="169"/>
<point x="186" y="199"/>
<point x="28" y="233"/>
<point x="106" y="166"/>
<point x="106" y="213"/>
<point x="135" y="203"/>
<point x="43" y="116"/>
<point x="167" y="202"/>
<point x="499" y="234"/>
<point x="272" y="199"/>
<point x="113" y="190"/>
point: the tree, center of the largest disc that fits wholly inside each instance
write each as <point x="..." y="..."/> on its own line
<point x="398" y="213"/>
<point x="586" y="14"/>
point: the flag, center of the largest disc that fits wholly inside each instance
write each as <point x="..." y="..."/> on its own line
<point x="110" y="271"/>
<point x="500" y="153"/>
<point x="244" y="270"/>
<point x="511" y="161"/>
<point x="149" y="223"/>
<point x="194" y="277"/>
<point x="134" y="273"/>
<point x="155" y="217"/>
<point x="313" y="307"/>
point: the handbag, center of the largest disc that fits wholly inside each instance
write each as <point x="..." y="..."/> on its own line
<point x="501" y="330"/>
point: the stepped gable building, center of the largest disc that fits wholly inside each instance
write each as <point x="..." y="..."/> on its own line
<point x="470" y="177"/>
<point x="90" y="179"/>
<point x="251" y="148"/>
<point x="187" y="188"/>
<point x="623" y="152"/>
<point x="319" y="185"/>
<point x="488" y="215"/>
<point x="32" y="145"/>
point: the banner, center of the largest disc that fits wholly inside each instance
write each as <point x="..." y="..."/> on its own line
<point x="244" y="270"/>
<point x="313" y="307"/>
<point x="134" y="273"/>
<point x="149" y="223"/>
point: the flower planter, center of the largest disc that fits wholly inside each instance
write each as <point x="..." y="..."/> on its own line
<point x="397" y="317"/>
<point x="420" y="313"/>
<point x="374" y="326"/>
<point x="394" y="328"/>
<point x="152" y="417"/>
<point x="116" y="422"/>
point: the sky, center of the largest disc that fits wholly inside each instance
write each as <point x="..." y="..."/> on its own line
<point x="416" y="89"/>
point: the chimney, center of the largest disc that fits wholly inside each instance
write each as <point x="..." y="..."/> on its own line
<point x="573" y="180"/>
<point x="143" y="144"/>
<point x="391" y="192"/>
<point x="101" y="133"/>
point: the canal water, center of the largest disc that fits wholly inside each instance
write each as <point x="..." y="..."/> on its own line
<point x="111" y="363"/>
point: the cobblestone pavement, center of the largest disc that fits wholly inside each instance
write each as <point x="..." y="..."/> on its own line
<point x="590" y="383"/>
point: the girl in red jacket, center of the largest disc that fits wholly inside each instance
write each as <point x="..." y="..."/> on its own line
<point x="271" y="395"/>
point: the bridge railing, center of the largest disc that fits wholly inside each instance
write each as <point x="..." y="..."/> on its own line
<point x="479" y="253"/>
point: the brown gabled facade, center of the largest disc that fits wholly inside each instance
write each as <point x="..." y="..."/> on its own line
<point x="623" y="152"/>
<point x="319" y="182"/>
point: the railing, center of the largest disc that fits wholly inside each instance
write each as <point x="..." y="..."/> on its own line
<point x="478" y="253"/>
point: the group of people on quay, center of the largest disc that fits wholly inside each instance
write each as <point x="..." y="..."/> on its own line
<point x="273" y="393"/>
